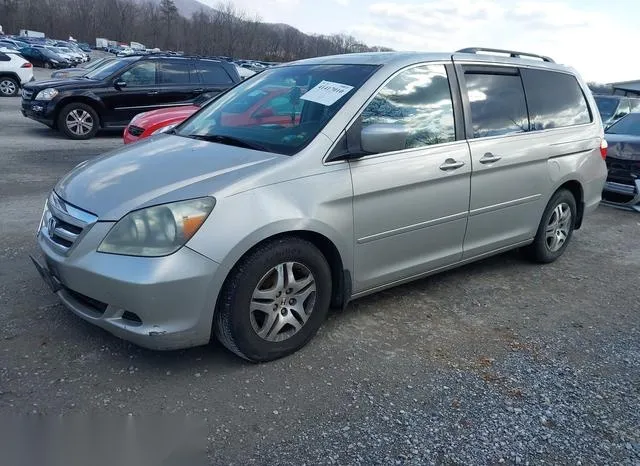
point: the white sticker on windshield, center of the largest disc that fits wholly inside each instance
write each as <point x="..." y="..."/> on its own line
<point x="326" y="93"/>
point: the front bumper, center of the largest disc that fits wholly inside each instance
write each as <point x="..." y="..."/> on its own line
<point x="622" y="195"/>
<point x="159" y="303"/>
<point x="41" y="111"/>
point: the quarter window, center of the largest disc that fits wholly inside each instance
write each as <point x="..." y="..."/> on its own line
<point x="419" y="100"/>
<point x="141" y="74"/>
<point x="555" y="99"/>
<point x="213" y="73"/>
<point x="497" y="103"/>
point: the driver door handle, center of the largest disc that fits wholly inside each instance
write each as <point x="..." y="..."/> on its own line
<point x="489" y="158"/>
<point x="153" y="92"/>
<point x="451" y="164"/>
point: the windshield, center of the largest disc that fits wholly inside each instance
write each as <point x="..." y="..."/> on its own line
<point x="607" y="107"/>
<point x="627" y="125"/>
<point x="280" y="110"/>
<point x="106" y="70"/>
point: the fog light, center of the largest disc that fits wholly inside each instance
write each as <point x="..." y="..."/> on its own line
<point x="37" y="108"/>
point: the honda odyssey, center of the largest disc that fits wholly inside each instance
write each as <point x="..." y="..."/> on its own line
<point x="390" y="167"/>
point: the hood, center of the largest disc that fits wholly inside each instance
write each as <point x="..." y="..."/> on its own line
<point x="623" y="146"/>
<point x="64" y="84"/>
<point x="160" y="169"/>
<point x="147" y="119"/>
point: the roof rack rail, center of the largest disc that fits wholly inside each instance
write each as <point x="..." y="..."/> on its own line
<point x="511" y="53"/>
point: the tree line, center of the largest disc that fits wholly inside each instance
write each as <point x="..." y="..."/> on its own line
<point x="224" y="30"/>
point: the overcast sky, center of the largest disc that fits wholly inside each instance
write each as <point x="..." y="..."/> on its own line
<point x="596" y="37"/>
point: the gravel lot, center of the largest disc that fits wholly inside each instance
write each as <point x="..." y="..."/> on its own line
<point x="500" y="361"/>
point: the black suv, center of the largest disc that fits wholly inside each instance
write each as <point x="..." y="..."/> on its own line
<point x="110" y="96"/>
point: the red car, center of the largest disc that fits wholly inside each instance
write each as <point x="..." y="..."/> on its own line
<point x="270" y="107"/>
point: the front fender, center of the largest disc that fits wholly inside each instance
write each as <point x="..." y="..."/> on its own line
<point x="88" y="97"/>
<point x="320" y="204"/>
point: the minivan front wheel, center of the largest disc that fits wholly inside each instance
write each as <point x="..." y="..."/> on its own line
<point x="78" y="121"/>
<point x="274" y="301"/>
<point x="555" y="229"/>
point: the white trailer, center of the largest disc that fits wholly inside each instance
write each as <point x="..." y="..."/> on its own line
<point x="28" y="33"/>
<point x="102" y="43"/>
<point x="137" y="46"/>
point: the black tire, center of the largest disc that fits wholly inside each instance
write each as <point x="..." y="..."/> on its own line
<point x="233" y="322"/>
<point x="79" y="108"/>
<point x="7" y="83"/>
<point x="540" y="250"/>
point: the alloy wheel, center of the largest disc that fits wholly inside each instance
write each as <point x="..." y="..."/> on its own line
<point x="282" y="301"/>
<point x="558" y="227"/>
<point x="79" y="122"/>
<point x="8" y="87"/>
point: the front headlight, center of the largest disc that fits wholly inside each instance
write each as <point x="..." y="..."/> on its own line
<point x="159" y="230"/>
<point x="47" y="94"/>
<point x="164" y="129"/>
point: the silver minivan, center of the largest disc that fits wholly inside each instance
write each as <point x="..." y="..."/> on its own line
<point x="318" y="182"/>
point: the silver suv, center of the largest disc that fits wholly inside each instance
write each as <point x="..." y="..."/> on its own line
<point x="318" y="182"/>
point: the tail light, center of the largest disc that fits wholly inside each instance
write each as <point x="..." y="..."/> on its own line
<point x="27" y="65"/>
<point x="604" y="145"/>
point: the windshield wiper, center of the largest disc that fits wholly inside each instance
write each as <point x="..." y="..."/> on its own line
<point x="228" y="140"/>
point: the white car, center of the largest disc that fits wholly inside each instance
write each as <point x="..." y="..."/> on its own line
<point x="15" y="72"/>
<point x="244" y="72"/>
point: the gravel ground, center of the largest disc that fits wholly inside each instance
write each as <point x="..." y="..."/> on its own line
<point x="499" y="361"/>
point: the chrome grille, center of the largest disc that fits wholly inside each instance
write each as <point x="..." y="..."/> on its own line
<point x="62" y="224"/>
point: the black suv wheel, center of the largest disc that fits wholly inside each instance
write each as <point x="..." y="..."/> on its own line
<point x="78" y="121"/>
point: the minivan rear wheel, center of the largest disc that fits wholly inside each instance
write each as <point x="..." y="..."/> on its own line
<point x="78" y="121"/>
<point x="555" y="229"/>
<point x="274" y="300"/>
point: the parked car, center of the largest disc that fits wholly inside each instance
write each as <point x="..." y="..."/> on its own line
<point x="623" y="162"/>
<point x="15" y="72"/>
<point x="614" y="107"/>
<point x="44" y="58"/>
<point x="244" y="72"/>
<point x="81" y="70"/>
<point x="251" y="233"/>
<point x="86" y="48"/>
<point x="110" y="96"/>
<point x="7" y="46"/>
<point x="270" y="107"/>
<point x="16" y="43"/>
<point x="61" y="53"/>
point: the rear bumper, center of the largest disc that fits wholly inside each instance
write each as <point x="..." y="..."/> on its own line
<point x="622" y="195"/>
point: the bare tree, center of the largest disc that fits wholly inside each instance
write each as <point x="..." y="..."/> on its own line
<point x="225" y="30"/>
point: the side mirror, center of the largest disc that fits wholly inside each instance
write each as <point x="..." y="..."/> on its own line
<point x="383" y="137"/>
<point x="120" y="84"/>
<point x="263" y="113"/>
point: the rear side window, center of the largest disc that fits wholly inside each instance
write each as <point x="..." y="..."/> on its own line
<point x="555" y="100"/>
<point x="497" y="103"/>
<point x="175" y="72"/>
<point x="4" y="57"/>
<point x="213" y="73"/>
